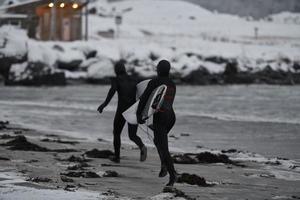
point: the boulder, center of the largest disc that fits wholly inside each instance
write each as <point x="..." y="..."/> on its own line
<point x="34" y="74"/>
<point x="110" y="173"/>
<point x="207" y="157"/>
<point x="192" y="179"/>
<point x="95" y="153"/>
<point x="184" y="159"/>
<point x="21" y="143"/>
<point x="73" y="65"/>
<point x="83" y="174"/>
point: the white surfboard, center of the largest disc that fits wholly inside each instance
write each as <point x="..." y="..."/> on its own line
<point x="153" y="104"/>
<point x="141" y="87"/>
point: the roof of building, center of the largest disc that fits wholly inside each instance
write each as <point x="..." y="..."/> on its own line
<point x="28" y="4"/>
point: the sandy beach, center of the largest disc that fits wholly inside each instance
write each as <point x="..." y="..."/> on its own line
<point x="41" y="175"/>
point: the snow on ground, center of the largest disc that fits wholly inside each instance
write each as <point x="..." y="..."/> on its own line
<point x="154" y="30"/>
<point x="286" y="18"/>
<point x="14" y="187"/>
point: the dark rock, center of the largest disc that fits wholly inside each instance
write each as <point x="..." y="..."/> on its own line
<point x="93" y="11"/>
<point x="207" y="157"/>
<point x="296" y="66"/>
<point x="95" y="153"/>
<point x="6" y="62"/>
<point x="31" y="161"/>
<point x="273" y="162"/>
<point x="101" y="140"/>
<point x="73" y="158"/>
<point x="64" y="150"/>
<point x="230" y="73"/>
<point x="198" y="77"/>
<point x="52" y="135"/>
<point x="37" y="74"/>
<point x="267" y="175"/>
<point x="177" y="193"/>
<point x="216" y="59"/>
<point x="295" y="197"/>
<point x="192" y="179"/>
<point x="192" y="17"/>
<point x="109" y="165"/>
<point x="3" y="125"/>
<point x="79" y="166"/>
<point x="83" y="174"/>
<point x="70" y="188"/>
<point x="110" y="193"/>
<point x="110" y="173"/>
<point x="40" y="179"/>
<point x="18" y="132"/>
<point x="66" y="179"/>
<point x="6" y="136"/>
<point x="5" y="159"/>
<point x="184" y="159"/>
<point x="58" y="48"/>
<point x="153" y="56"/>
<point x="173" y="136"/>
<point x="91" y="54"/>
<point x="71" y="66"/>
<point x="229" y="151"/>
<point x="204" y="157"/>
<point x="185" y="134"/>
<point x="20" y="143"/>
<point x="60" y="141"/>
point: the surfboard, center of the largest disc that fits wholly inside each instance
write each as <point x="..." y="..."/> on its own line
<point x="153" y="104"/>
<point x="141" y="87"/>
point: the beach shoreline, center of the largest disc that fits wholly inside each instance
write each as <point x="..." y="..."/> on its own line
<point x="135" y="180"/>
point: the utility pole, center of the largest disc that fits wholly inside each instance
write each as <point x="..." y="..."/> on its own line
<point x="87" y="20"/>
<point x="53" y="21"/>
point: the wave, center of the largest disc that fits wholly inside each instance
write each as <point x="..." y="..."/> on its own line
<point x="93" y="106"/>
<point x="238" y="118"/>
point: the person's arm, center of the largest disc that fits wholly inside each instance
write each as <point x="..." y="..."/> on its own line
<point x="109" y="96"/>
<point x="143" y="101"/>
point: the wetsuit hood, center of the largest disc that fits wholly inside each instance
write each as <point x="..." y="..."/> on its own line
<point x="120" y="68"/>
<point x="163" y="68"/>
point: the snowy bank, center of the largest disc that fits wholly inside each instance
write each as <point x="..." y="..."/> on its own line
<point x="208" y="48"/>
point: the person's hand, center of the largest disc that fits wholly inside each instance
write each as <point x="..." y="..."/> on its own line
<point x="100" y="108"/>
<point x="140" y="119"/>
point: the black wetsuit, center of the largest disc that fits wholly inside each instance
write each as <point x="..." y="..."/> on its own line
<point x="126" y="89"/>
<point x="163" y="121"/>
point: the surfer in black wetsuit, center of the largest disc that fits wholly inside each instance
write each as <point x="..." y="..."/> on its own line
<point x="125" y="86"/>
<point x="163" y="120"/>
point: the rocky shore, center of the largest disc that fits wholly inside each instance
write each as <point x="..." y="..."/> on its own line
<point x="31" y="159"/>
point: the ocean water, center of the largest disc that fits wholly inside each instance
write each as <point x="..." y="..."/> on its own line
<point x="258" y="118"/>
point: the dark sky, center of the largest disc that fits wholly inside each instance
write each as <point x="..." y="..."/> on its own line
<point x="255" y="8"/>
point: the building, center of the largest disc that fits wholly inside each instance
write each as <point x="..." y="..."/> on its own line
<point x="47" y="19"/>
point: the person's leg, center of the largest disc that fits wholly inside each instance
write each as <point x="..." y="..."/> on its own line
<point x="119" y="123"/>
<point x="132" y="130"/>
<point x="161" y="131"/>
<point x="167" y="159"/>
<point x="163" y="168"/>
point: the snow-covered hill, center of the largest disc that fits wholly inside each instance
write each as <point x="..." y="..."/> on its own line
<point x="191" y="37"/>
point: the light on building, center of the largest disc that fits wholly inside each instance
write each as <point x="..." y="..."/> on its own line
<point x="75" y="6"/>
<point x="62" y="5"/>
<point x="51" y="5"/>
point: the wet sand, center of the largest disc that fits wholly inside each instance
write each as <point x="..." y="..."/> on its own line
<point x="136" y="180"/>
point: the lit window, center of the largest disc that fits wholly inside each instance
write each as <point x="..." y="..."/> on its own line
<point x="62" y="5"/>
<point x="75" y="5"/>
<point x="51" y="5"/>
